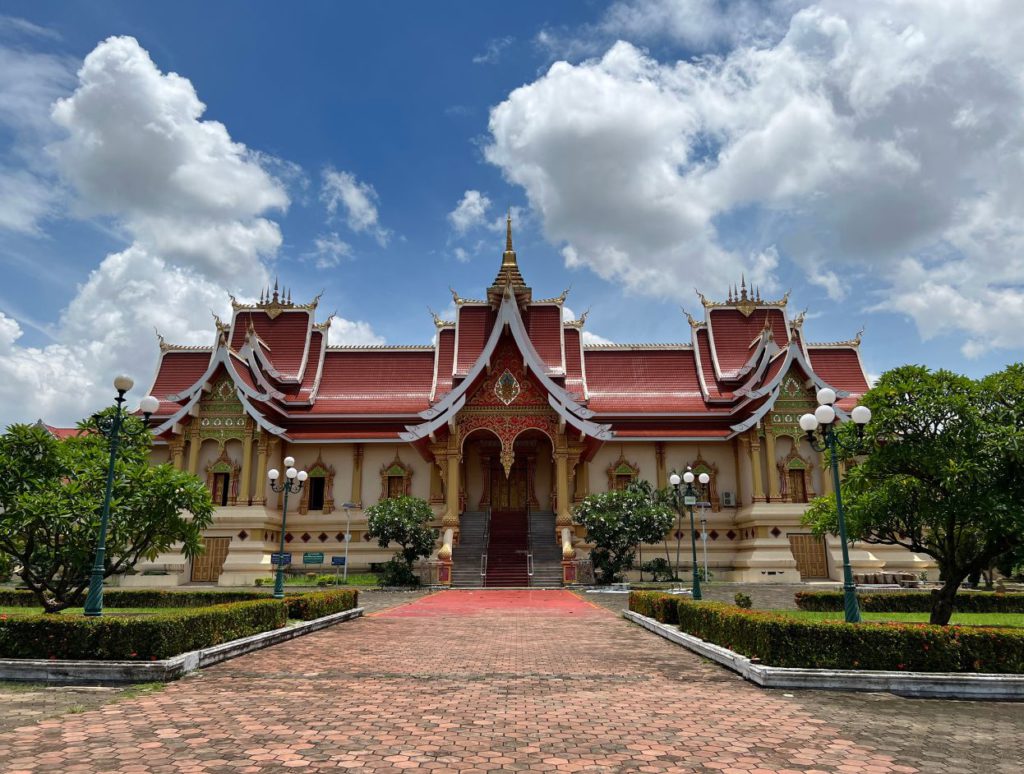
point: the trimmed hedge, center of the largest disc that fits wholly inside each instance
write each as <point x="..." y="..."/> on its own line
<point x="142" y="637"/>
<point x="777" y="640"/>
<point x="321" y="603"/>
<point x="655" y="604"/>
<point x="144" y="598"/>
<point x="904" y="602"/>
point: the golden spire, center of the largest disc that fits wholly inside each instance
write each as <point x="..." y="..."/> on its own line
<point x="508" y="274"/>
<point x="509" y="257"/>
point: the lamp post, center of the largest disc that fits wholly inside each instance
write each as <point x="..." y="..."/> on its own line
<point x="111" y="429"/>
<point x="704" y="534"/>
<point x="689" y="498"/>
<point x="824" y="420"/>
<point x="294" y="479"/>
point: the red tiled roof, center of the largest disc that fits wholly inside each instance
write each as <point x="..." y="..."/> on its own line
<point x="445" y="358"/>
<point x="474" y="327"/>
<point x="61" y="433"/>
<point x="574" y="362"/>
<point x="373" y="382"/>
<point x="703" y="348"/>
<point x="178" y="371"/>
<point x="285" y="337"/>
<point x="655" y="380"/>
<point x="544" y="326"/>
<point x="302" y="390"/>
<point x="733" y="333"/>
<point x="840" y="367"/>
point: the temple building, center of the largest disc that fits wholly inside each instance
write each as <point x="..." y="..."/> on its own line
<point x="503" y="424"/>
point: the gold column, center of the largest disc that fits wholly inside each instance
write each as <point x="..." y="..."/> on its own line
<point x="193" y="452"/>
<point x="260" y="494"/>
<point x="755" y="466"/>
<point x="178" y="452"/>
<point x="452" y="493"/>
<point x="357" y="474"/>
<point x="243" y="490"/>
<point x="659" y="456"/>
<point x="582" y="480"/>
<point x="736" y="459"/>
<point x="773" y="476"/>
<point x="563" y="518"/>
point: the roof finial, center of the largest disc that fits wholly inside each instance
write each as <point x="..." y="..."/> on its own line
<point x="275" y="290"/>
<point x="508" y="231"/>
<point x="743" y="287"/>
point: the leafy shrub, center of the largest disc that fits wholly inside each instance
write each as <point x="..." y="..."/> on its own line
<point x="320" y="603"/>
<point x="143" y="598"/>
<point x="777" y="640"/>
<point x="911" y="602"/>
<point x="6" y="566"/>
<point x="654" y="604"/>
<point x="395" y="572"/>
<point x="743" y="600"/>
<point x="659" y="569"/>
<point x="142" y="637"/>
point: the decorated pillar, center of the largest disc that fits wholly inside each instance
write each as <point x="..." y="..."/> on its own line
<point x="582" y="480"/>
<point x="452" y="491"/>
<point x="773" y="477"/>
<point x="357" y="474"/>
<point x="244" y="490"/>
<point x="193" y="451"/>
<point x="736" y="459"/>
<point x="659" y="456"/>
<point x="178" y="452"/>
<point x="260" y="493"/>
<point x="755" y="466"/>
<point x="563" y="516"/>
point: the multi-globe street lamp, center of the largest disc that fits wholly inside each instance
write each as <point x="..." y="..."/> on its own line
<point x="689" y="498"/>
<point x="824" y="421"/>
<point x="110" y="427"/>
<point x="294" y="479"/>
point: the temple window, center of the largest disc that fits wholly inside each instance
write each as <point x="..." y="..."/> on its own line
<point x="395" y="479"/>
<point x="622" y="473"/>
<point x="221" y="488"/>
<point x="222" y="477"/>
<point x="316" y="493"/>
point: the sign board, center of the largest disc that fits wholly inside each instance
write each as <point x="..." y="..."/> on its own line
<point x="313" y="557"/>
<point x="280" y="558"/>
<point x="689" y="500"/>
<point x="704" y="504"/>
<point x="338" y="561"/>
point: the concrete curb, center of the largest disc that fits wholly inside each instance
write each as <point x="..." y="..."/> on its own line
<point x="66" y="672"/>
<point x="930" y="685"/>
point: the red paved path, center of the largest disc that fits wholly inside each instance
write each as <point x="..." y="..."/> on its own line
<point x="467" y="681"/>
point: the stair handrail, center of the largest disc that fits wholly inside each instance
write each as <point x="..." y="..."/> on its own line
<point x="486" y="543"/>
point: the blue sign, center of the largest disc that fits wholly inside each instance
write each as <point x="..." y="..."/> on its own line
<point x="338" y="561"/>
<point x="280" y="558"/>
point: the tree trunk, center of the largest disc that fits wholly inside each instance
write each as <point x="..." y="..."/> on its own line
<point x="943" y="599"/>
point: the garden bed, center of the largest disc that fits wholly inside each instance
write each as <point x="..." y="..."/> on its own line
<point x="165" y="633"/>
<point x="912" y="602"/>
<point x="779" y="640"/>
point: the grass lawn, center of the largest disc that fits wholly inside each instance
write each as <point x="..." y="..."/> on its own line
<point x="964" y="619"/>
<point x="107" y="611"/>
<point x="354" y="579"/>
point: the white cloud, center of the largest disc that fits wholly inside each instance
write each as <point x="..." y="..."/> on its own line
<point x="330" y="249"/>
<point x="352" y="332"/>
<point x="341" y="190"/>
<point x="191" y="200"/>
<point x="853" y="135"/>
<point x="461" y="255"/>
<point x="495" y="48"/>
<point x="470" y="212"/>
<point x="588" y="338"/>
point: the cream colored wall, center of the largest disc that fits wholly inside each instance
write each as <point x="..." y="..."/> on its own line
<point x="159" y="455"/>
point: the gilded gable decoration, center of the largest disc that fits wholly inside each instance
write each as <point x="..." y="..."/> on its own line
<point x="507" y="388"/>
<point x="795" y="478"/>
<point x="221" y="416"/>
<point x="622" y="472"/>
<point x="395" y="478"/>
<point x="319" y="469"/>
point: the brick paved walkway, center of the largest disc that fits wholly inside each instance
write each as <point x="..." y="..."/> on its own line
<point x="482" y="681"/>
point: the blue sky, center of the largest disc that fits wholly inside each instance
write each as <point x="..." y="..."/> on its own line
<point x="647" y="148"/>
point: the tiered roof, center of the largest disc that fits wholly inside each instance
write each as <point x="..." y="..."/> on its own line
<point x="296" y="385"/>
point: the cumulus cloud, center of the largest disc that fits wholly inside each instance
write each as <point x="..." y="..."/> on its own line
<point x="470" y="212"/>
<point x="341" y="190"/>
<point x="352" y="332"/>
<point x="329" y="249"/>
<point x="852" y="135"/>
<point x="191" y="201"/>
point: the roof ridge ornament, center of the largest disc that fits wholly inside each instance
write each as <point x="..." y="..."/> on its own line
<point x="744" y="301"/>
<point x="690" y="319"/>
<point x="438" y="321"/>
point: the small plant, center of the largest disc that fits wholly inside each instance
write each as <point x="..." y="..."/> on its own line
<point x="659" y="569"/>
<point x="260" y="581"/>
<point x="743" y="600"/>
<point x="395" y="572"/>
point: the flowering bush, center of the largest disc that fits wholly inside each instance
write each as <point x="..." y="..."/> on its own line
<point x="778" y="640"/>
<point x="619" y="521"/>
<point x="403" y="520"/>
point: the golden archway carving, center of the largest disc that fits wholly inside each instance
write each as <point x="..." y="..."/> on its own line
<point x="701" y="465"/>
<point x="621" y="467"/>
<point x="319" y="469"/>
<point x="224" y="464"/>
<point x="794" y="461"/>
<point x="507" y="426"/>
<point x="395" y="469"/>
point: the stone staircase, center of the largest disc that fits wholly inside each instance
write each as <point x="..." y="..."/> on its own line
<point x="506" y="553"/>
<point x="547" y="553"/>
<point x="466" y="555"/>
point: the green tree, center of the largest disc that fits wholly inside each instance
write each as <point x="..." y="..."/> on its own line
<point x="619" y="521"/>
<point x="51" y="495"/>
<point x="942" y="475"/>
<point x="402" y="520"/>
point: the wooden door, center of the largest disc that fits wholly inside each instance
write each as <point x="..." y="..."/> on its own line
<point x="508" y="494"/>
<point x="797" y="486"/>
<point x="809" y="552"/>
<point x="207" y="567"/>
<point x="396" y="486"/>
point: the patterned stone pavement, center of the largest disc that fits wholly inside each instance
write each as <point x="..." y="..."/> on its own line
<point x="485" y="681"/>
